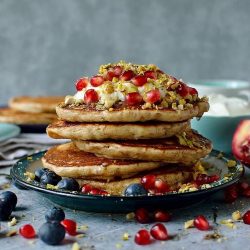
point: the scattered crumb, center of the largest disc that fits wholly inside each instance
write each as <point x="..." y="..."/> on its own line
<point x="13" y="222"/>
<point x="229" y="223"/>
<point x="236" y="215"/>
<point x="118" y="245"/>
<point x="80" y="236"/>
<point x="130" y="216"/>
<point x="76" y="246"/>
<point x="31" y="242"/>
<point x="189" y="224"/>
<point x="125" y="236"/>
<point x="214" y="236"/>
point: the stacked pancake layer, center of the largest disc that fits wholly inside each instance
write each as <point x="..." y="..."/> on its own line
<point x="116" y="141"/>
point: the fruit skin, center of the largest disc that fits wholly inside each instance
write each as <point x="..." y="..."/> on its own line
<point x="55" y="214"/>
<point x="39" y="172"/>
<point x="27" y="231"/>
<point x="69" y="184"/>
<point x="142" y="215"/>
<point x="201" y="223"/>
<point x="5" y="209"/>
<point x="246" y="217"/>
<point x="162" y="216"/>
<point x="91" y="96"/>
<point x="142" y="237"/>
<point x="159" y="232"/>
<point x="52" y="233"/>
<point x="133" y="98"/>
<point x="96" y="81"/>
<point x="9" y="197"/>
<point x="70" y="226"/>
<point x="50" y="178"/>
<point x="135" y="190"/>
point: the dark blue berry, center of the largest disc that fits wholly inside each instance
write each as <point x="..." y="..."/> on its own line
<point x="39" y="172"/>
<point x="55" y="214"/>
<point x="52" y="233"/>
<point x="69" y="184"/>
<point x="5" y="209"/>
<point x="50" y="178"/>
<point x="135" y="189"/>
<point x="9" y="197"/>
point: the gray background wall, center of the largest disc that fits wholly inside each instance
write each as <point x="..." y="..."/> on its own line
<point x="45" y="45"/>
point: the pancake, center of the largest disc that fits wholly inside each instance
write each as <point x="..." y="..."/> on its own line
<point x="39" y="104"/>
<point x="84" y="113"/>
<point x="115" y="131"/>
<point x="68" y="161"/>
<point x="174" y="176"/>
<point x="9" y="115"/>
<point x="165" y="150"/>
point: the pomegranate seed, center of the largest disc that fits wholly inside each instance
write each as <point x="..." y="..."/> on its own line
<point x="139" y="80"/>
<point x="142" y="215"/>
<point x="205" y="179"/>
<point x="231" y="194"/>
<point x="201" y="223"/>
<point x="153" y="96"/>
<point x="70" y="226"/>
<point x="243" y="186"/>
<point x="159" y="232"/>
<point x="95" y="191"/>
<point x="127" y="75"/>
<point x="246" y="192"/>
<point x="103" y="192"/>
<point x="246" y="217"/>
<point x="161" y="187"/>
<point x="91" y="96"/>
<point x="27" y="231"/>
<point x="148" y="181"/>
<point x="96" y="81"/>
<point x="110" y="75"/>
<point x="86" y="188"/>
<point x="150" y="74"/>
<point x="142" y="237"/>
<point x="117" y="70"/>
<point x="192" y="91"/>
<point x="133" y="98"/>
<point x="182" y="90"/>
<point x="81" y="83"/>
<point x="162" y="216"/>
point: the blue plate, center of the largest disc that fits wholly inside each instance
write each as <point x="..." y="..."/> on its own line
<point x="118" y="204"/>
<point x="8" y="131"/>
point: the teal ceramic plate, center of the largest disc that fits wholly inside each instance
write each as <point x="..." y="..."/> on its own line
<point x="8" y="131"/>
<point x="118" y="204"/>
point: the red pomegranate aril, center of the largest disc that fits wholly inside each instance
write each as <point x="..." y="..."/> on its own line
<point x="95" y="191"/>
<point x="142" y="215"/>
<point x="117" y="70"/>
<point x="91" y="96"/>
<point x="142" y="237"/>
<point x="243" y="186"/>
<point x="27" y="231"/>
<point x="81" y="83"/>
<point x="231" y="194"/>
<point x="150" y="74"/>
<point x="192" y="91"/>
<point x="103" y="192"/>
<point x="159" y="232"/>
<point x="182" y="90"/>
<point x="153" y="96"/>
<point x="110" y="75"/>
<point x="139" y="80"/>
<point x="161" y="187"/>
<point x="96" y="81"/>
<point x="86" y="188"/>
<point x="70" y="226"/>
<point x="205" y="179"/>
<point x="127" y="75"/>
<point x="162" y="216"/>
<point x="148" y="181"/>
<point x="132" y="99"/>
<point x="246" y="217"/>
<point x="201" y="223"/>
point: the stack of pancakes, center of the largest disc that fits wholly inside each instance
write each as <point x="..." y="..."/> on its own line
<point x="114" y="145"/>
<point x="31" y="110"/>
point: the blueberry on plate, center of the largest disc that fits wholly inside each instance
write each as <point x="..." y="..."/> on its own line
<point x="55" y="214"/>
<point x="39" y="172"/>
<point x="69" y="184"/>
<point x="5" y="209"/>
<point x="9" y="197"/>
<point x="135" y="189"/>
<point x="50" y="178"/>
<point x="52" y="233"/>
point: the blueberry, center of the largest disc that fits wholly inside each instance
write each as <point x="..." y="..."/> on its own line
<point x="52" y="233"/>
<point x="68" y="184"/>
<point x="50" y="178"/>
<point x="55" y="214"/>
<point x="39" y="172"/>
<point x="9" y="197"/>
<point x="135" y="189"/>
<point x="5" y="209"/>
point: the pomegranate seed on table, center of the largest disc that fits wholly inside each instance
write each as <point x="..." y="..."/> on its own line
<point x="159" y="232"/>
<point x="201" y="223"/>
<point x="231" y="193"/>
<point x="148" y="181"/>
<point x="142" y="237"/>
<point x="127" y="75"/>
<point x="246" y="217"/>
<point x="139" y="80"/>
<point x="160" y="187"/>
<point x="96" y="81"/>
<point x="153" y="96"/>
<point x="142" y="215"/>
<point x="70" y="226"/>
<point x="133" y="98"/>
<point x="81" y="83"/>
<point x="162" y="216"/>
<point x="86" y="188"/>
<point x="150" y="74"/>
<point x="91" y="96"/>
<point x="27" y="231"/>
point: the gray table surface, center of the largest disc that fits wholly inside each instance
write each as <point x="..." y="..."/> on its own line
<point x="105" y="231"/>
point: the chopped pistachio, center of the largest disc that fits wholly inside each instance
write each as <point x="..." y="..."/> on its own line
<point x="231" y="163"/>
<point x="13" y="222"/>
<point x="125" y="236"/>
<point x="189" y="224"/>
<point x="236" y="215"/>
<point x="76" y="246"/>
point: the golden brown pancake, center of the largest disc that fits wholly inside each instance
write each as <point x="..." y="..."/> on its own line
<point x="84" y="113"/>
<point x="115" y="131"/>
<point x="39" y="104"/>
<point x="12" y="116"/>
<point x="168" y="150"/>
<point x="68" y="161"/>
